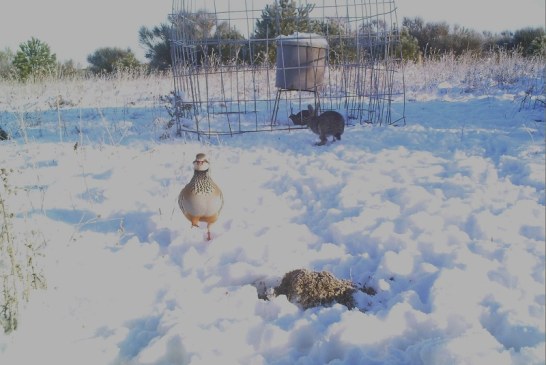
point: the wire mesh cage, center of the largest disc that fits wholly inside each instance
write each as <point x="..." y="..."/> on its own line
<point x="245" y="66"/>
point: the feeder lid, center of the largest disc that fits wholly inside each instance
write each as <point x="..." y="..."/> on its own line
<point x="303" y="39"/>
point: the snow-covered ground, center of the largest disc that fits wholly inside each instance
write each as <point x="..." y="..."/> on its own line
<point x="444" y="218"/>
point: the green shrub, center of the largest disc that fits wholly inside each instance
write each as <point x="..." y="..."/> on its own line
<point x="34" y="60"/>
<point x="108" y="60"/>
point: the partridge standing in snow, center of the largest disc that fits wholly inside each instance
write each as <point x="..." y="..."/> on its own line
<point x="201" y="200"/>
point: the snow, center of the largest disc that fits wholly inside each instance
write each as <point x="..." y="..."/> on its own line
<point x="303" y="39"/>
<point x="444" y="218"/>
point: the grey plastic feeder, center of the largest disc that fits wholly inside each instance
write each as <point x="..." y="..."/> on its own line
<point x="301" y="61"/>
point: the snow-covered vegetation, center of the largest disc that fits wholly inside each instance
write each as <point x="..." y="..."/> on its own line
<point x="440" y="224"/>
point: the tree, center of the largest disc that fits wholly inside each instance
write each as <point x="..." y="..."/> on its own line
<point x="280" y="18"/>
<point x="34" y="59"/>
<point x="6" y="63"/>
<point x="158" y="46"/>
<point x="68" y="69"/>
<point x="494" y="42"/>
<point x="229" y="43"/>
<point x="414" y="27"/>
<point x="538" y="46"/>
<point x="157" y="40"/>
<point x="463" y="40"/>
<point x="108" y="60"/>
<point x="215" y="41"/>
<point x="341" y="42"/>
<point x="283" y="18"/>
<point x="435" y="38"/>
<point x="524" y="38"/>
<point x="374" y="36"/>
<point x="192" y="27"/>
<point x="409" y="46"/>
<point x="439" y="37"/>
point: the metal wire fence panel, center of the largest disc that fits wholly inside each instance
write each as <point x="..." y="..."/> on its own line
<point x="246" y="65"/>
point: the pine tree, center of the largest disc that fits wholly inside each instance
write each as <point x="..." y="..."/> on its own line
<point x="280" y="18"/>
<point x="34" y="59"/>
<point x="409" y="46"/>
<point x="157" y="44"/>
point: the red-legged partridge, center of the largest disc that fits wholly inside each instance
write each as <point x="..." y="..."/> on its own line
<point x="201" y="200"/>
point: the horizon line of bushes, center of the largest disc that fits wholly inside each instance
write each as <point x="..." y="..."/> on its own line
<point x="418" y="40"/>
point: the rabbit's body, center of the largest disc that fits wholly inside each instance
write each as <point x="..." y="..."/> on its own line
<point x="329" y="123"/>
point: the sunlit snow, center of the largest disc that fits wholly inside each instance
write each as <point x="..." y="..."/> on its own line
<point x="444" y="218"/>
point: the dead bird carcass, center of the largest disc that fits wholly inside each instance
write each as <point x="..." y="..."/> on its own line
<point x="311" y="289"/>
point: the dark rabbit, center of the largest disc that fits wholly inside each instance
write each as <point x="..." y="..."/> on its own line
<point x="329" y="123"/>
